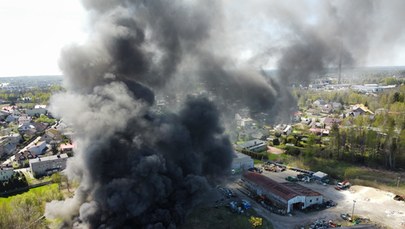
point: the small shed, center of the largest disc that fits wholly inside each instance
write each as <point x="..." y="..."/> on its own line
<point x="320" y="175"/>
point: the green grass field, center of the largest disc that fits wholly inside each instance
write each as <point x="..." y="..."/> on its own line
<point x="43" y="193"/>
<point x="26" y="210"/>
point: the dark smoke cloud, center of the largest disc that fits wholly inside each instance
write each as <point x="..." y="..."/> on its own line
<point x="140" y="169"/>
<point x="137" y="168"/>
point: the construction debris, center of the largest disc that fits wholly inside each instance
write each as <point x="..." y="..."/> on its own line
<point x="323" y="224"/>
<point x="256" y="221"/>
<point x="273" y="167"/>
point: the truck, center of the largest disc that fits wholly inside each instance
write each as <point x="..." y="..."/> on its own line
<point x="343" y="185"/>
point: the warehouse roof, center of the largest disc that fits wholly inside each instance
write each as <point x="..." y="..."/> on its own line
<point x="303" y="191"/>
<point x="286" y="190"/>
<point x="270" y="185"/>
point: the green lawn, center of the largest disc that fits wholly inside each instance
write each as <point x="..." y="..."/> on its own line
<point x="32" y="180"/>
<point x="26" y="210"/>
<point x="46" y="192"/>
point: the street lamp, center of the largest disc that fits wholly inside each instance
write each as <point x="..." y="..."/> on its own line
<point x="354" y="203"/>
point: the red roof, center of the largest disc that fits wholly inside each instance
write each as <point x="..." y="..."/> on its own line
<point x="303" y="191"/>
<point x="286" y="190"/>
<point x="270" y="185"/>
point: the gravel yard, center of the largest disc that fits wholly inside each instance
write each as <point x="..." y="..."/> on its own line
<point x="377" y="205"/>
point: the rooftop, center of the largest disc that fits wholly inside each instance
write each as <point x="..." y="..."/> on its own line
<point x="270" y="185"/>
<point x="6" y="168"/>
<point x="252" y="143"/>
<point x="301" y="190"/>
<point x="66" y="146"/>
<point x="49" y="158"/>
<point x="286" y="190"/>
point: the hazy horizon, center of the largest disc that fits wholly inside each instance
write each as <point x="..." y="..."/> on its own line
<point x="267" y="69"/>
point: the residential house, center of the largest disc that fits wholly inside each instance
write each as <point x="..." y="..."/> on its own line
<point x="52" y="134"/>
<point x="319" y="131"/>
<point x="14" y="138"/>
<point x="39" y="126"/>
<point x="312" y="111"/>
<point x="6" y="173"/>
<point x="25" y="127"/>
<point x="37" y="110"/>
<point x="337" y="106"/>
<point x="37" y="148"/>
<point x="65" y="129"/>
<point x="328" y="122"/>
<point x="306" y="121"/>
<point x="48" y="165"/>
<point x="6" y="147"/>
<point x="12" y="118"/>
<point x="326" y="109"/>
<point x="359" y="109"/>
<point x="9" y="109"/>
<point x="66" y="147"/>
<point x="24" y="119"/>
<point x="21" y="157"/>
<point x="3" y="115"/>
<point x="319" y="102"/>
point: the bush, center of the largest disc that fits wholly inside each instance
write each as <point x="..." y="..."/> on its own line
<point x="294" y="151"/>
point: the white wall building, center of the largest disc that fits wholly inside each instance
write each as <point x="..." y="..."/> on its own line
<point x="254" y="145"/>
<point x="242" y="162"/>
<point x="48" y="165"/>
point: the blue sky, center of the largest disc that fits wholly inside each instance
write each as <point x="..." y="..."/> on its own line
<point x="33" y="33"/>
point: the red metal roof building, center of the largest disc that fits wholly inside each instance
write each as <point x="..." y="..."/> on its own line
<point x="286" y="195"/>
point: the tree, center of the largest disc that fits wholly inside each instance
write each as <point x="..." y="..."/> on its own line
<point x="335" y="139"/>
<point x="57" y="179"/>
<point x="395" y="97"/>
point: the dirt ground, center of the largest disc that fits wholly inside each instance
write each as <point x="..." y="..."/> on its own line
<point x="274" y="150"/>
<point x="377" y="205"/>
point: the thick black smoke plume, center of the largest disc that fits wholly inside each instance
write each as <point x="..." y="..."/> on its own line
<point x="137" y="169"/>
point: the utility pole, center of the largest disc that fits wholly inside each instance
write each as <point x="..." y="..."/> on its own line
<point x="354" y="203"/>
